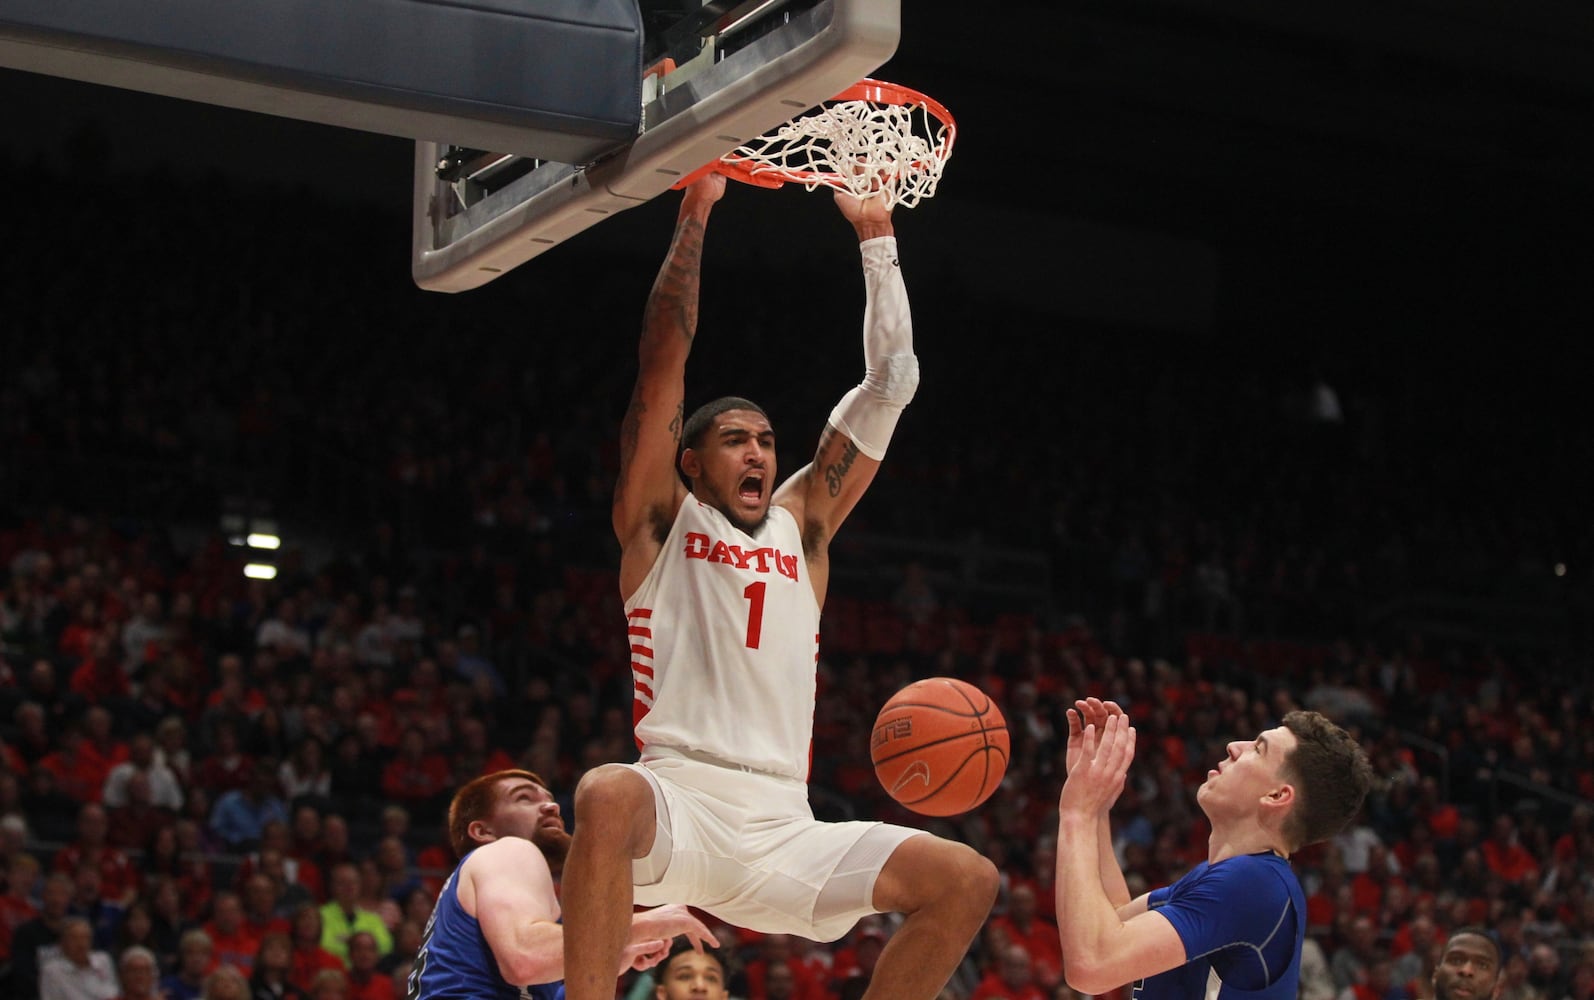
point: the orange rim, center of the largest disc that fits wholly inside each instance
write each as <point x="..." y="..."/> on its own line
<point x="874" y="91"/>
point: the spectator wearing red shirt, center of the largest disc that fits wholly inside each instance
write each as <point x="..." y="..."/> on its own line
<point x="77" y="638"/>
<point x="1039" y="936"/>
<point x="227" y="767"/>
<point x="1370" y="884"/>
<point x="1378" y="984"/>
<point x="191" y="868"/>
<point x="1579" y="835"/>
<point x="1323" y="905"/>
<point x="77" y="770"/>
<point x="415" y="777"/>
<point x="30" y="736"/>
<point x="775" y="954"/>
<point x="365" y="982"/>
<point x="134" y="822"/>
<point x="1505" y="855"/>
<point x="260" y="898"/>
<point x="305" y="833"/>
<point x="334" y="846"/>
<point x="99" y="740"/>
<point x="99" y="677"/>
<point x="855" y="966"/>
<point x="1012" y="979"/>
<point x="235" y="941"/>
<point x="309" y="958"/>
<point x="118" y="878"/>
<point x="1442" y="818"/>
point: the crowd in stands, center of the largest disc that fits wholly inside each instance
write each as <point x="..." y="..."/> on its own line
<point x="223" y="787"/>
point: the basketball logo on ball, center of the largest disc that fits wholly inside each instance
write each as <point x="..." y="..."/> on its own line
<point x="939" y="746"/>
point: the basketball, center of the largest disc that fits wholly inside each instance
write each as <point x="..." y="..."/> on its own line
<point x="939" y="746"/>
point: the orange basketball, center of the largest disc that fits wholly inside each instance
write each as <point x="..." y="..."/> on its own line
<point x="939" y="746"/>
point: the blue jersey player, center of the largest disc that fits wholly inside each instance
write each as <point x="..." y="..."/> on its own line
<point x="495" y="933"/>
<point x="1232" y="926"/>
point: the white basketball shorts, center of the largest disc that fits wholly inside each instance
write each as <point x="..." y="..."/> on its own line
<point x="745" y="846"/>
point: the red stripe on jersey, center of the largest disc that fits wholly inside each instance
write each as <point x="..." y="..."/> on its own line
<point x="638" y="709"/>
<point x="642" y="668"/>
<point x="641" y="650"/>
<point x="642" y="688"/>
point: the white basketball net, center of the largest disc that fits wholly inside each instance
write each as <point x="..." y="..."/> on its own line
<point x="868" y="148"/>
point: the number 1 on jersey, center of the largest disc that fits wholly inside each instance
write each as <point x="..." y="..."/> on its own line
<point x="755" y="612"/>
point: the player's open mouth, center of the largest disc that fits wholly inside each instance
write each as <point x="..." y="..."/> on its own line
<point x="752" y="489"/>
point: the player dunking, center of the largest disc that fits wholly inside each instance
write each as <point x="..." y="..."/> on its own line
<point x="494" y="933"/>
<point x="723" y="585"/>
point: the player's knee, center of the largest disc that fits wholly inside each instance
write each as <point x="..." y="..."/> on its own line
<point x="978" y="878"/>
<point x="967" y="879"/>
<point x="946" y="877"/>
<point x="615" y="800"/>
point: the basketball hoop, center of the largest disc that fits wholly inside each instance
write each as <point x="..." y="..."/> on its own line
<point x="874" y="139"/>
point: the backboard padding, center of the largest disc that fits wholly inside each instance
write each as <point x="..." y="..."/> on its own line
<point x="695" y="118"/>
<point x="557" y="79"/>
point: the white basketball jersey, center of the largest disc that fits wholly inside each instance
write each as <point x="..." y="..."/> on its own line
<point x="724" y="638"/>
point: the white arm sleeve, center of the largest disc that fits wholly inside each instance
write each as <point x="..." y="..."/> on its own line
<point x="868" y="413"/>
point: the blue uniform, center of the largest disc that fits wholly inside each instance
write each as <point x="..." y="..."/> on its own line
<point x="455" y="963"/>
<point x="1242" y="920"/>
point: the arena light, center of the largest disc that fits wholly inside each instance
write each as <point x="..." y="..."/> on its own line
<point x="262" y="540"/>
<point x="260" y="571"/>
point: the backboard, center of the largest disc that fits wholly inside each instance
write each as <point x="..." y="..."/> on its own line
<point x="719" y="73"/>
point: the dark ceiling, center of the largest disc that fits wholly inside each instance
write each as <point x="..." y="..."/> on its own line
<point x="1397" y="105"/>
<point x="1301" y="149"/>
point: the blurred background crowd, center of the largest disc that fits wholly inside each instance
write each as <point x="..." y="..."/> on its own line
<point x="217" y="785"/>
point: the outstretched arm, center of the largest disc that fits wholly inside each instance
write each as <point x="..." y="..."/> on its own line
<point x="824" y="492"/>
<point x="1095" y="712"/>
<point x="507" y="887"/>
<point x="1106" y="942"/>
<point x="649" y="491"/>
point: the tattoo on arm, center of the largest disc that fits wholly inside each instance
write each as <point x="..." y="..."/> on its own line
<point x="675" y="290"/>
<point x="678" y="422"/>
<point x="836" y="471"/>
<point x="631" y="431"/>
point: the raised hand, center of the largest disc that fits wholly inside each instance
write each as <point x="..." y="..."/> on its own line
<point x="706" y="189"/>
<point x="870" y="217"/>
<point x="642" y="955"/>
<point x="1096" y="776"/>
<point x="673" y="919"/>
<point x="1086" y="712"/>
